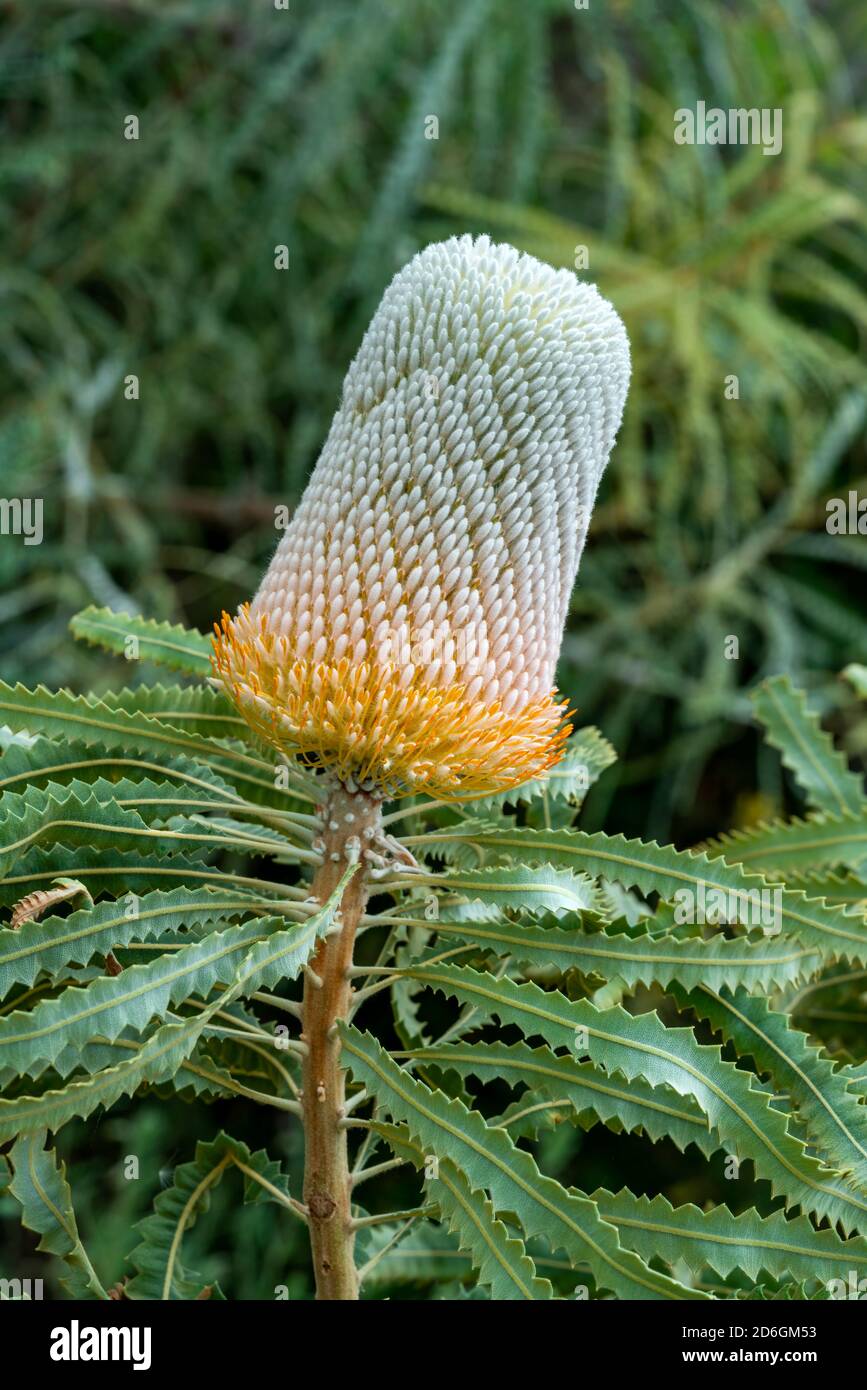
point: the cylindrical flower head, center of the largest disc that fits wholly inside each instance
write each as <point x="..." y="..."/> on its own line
<point x="407" y="630"/>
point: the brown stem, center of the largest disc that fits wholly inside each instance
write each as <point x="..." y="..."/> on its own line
<point x="347" y="816"/>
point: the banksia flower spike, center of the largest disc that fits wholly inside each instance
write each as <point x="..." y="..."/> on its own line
<point x="407" y="631"/>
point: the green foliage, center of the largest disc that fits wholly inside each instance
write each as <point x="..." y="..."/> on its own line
<point x="141" y="639"/>
<point x="545" y="981"/>
<point x="39" y="1185"/>
<point x="160" y="1273"/>
<point x="806" y="749"/>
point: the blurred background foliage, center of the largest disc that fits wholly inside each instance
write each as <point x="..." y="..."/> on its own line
<point x="305" y="128"/>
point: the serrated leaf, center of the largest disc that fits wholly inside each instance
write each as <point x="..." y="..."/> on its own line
<point x="160" y="1273"/>
<point x="661" y="869"/>
<point x="499" y="1257"/>
<point x="282" y="955"/>
<point x="31" y="1039"/>
<point x="832" y="1115"/>
<point x="78" y="814"/>
<point x="408" y="1023"/>
<point x="782" y="1293"/>
<point x="112" y="871"/>
<point x="63" y="716"/>
<point x="133" y="815"/>
<point x="54" y="943"/>
<point x="196" y="708"/>
<point x="165" y="644"/>
<point x="645" y="959"/>
<point x="426" y="1254"/>
<point x="641" y="1045"/>
<point x="490" y="1160"/>
<point x="40" y="1186"/>
<point x="807" y="750"/>
<point x="482" y="894"/>
<point x="158" y="1058"/>
<point x="856" y="1078"/>
<point x="841" y="888"/>
<point x="43" y="761"/>
<point x="581" y="1086"/>
<point x="200" y="1074"/>
<point x="819" y="840"/>
<point x="782" y="1247"/>
<point x="262" y="839"/>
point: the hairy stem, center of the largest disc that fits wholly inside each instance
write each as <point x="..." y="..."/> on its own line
<point x="350" y="821"/>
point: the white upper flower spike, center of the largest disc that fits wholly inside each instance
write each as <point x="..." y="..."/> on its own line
<point x="407" y="631"/>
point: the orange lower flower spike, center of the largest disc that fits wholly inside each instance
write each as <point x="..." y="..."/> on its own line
<point x="376" y="734"/>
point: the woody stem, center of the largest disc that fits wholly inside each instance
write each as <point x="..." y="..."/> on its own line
<point x="351" y="820"/>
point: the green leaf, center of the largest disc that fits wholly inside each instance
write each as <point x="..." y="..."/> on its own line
<point x="121" y="815"/>
<point x="499" y="1258"/>
<point x="112" y="871"/>
<point x="642" y="1046"/>
<point x="856" y="1077"/>
<point x="775" y="1245"/>
<point x="79" y="815"/>
<point x="807" y="1289"/>
<point x="63" y="716"/>
<point x="281" y="955"/>
<point x="425" y="1254"/>
<point x="157" y="1059"/>
<point x="409" y="1026"/>
<point x="489" y="1159"/>
<point x="107" y="1005"/>
<point x="653" y="868"/>
<point x="482" y="894"/>
<point x="154" y="800"/>
<point x="796" y="844"/>
<point x="807" y="750"/>
<point x="583" y="1087"/>
<point x="838" y="888"/>
<point x="183" y="649"/>
<point x="644" y="959"/>
<point x="250" y="836"/>
<point x="198" y="709"/>
<point x="53" y="943"/>
<point x="160" y="1274"/>
<point x="831" y="1113"/>
<point x="40" y="1186"/>
<point x="42" y="761"/>
<point x="200" y="1075"/>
